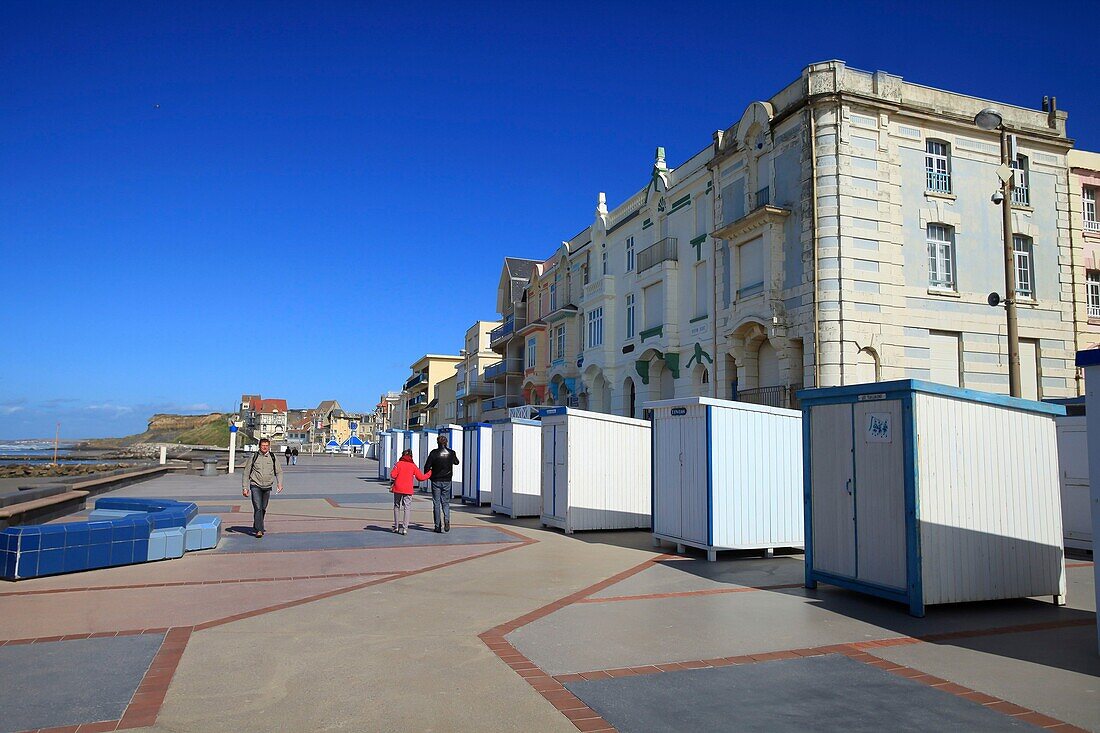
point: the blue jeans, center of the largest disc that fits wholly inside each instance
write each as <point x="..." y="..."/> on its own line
<point x="441" y="502"/>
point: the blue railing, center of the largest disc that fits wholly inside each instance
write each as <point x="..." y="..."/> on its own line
<point x="504" y="329"/>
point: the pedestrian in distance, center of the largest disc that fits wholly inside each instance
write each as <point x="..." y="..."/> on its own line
<point x="294" y="456"/>
<point x="261" y="474"/>
<point x="440" y="466"/>
<point x="403" y="473"/>
<point x="287" y="454"/>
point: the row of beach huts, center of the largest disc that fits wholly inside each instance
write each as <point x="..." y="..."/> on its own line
<point x="908" y="490"/>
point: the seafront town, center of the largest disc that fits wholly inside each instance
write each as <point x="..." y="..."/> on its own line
<point x="804" y="434"/>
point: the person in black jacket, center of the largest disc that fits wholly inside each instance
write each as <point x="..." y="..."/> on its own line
<point x="441" y="463"/>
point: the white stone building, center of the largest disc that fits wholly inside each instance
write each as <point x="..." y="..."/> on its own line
<point x="839" y="232"/>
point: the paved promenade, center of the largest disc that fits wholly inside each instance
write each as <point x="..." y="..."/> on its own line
<point x="331" y="622"/>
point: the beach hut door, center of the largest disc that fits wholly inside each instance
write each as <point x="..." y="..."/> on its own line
<point x="832" y="490"/>
<point x="668" y="477"/>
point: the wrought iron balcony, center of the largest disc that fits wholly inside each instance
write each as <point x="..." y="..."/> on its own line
<point x="663" y="251"/>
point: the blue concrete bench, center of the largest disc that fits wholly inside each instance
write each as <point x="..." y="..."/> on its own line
<point x="122" y="531"/>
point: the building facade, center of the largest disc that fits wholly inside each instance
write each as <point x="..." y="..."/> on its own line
<point x="839" y="232"/>
<point x="420" y="389"/>
<point x="1084" y="190"/>
<point x="471" y="388"/>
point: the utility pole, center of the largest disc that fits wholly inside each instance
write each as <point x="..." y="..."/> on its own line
<point x="991" y="119"/>
<point x="1007" y="185"/>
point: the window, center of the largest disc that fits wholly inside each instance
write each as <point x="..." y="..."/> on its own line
<point x="1092" y="284"/>
<point x="941" y="257"/>
<point x="733" y="201"/>
<point x="750" y="265"/>
<point x="561" y="343"/>
<point x="630" y="254"/>
<point x="603" y="258"/>
<point x="701" y="290"/>
<point x="584" y="268"/>
<point x="1021" y="195"/>
<point x="943" y="352"/>
<point x="702" y="216"/>
<point x="1088" y="200"/>
<point x="1025" y="266"/>
<point x="553" y="296"/>
<point x="595" y="328"/>
<point x="654" y="305"/>
<point x="630" y="315"/>
<point x="763" y="197"/>
<point x="531" y="344"/>
<point x="937" y="166"/>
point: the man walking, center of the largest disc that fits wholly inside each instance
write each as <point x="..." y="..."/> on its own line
<point x="440" y="465"/>
<point x="260" y="475"/>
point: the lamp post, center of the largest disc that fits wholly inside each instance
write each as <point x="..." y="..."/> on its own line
<point x="991" y="119"/>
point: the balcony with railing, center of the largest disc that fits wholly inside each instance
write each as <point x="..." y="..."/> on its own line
<point x="604" y="287"/>
<point x="415" y="380"/>
<point x="502" y="402"/>
<point x="475" y="388"/>
<point x="1094" y="311"/>
<point x="503" y="368"/>
<point x="663" y="251"/>
<point x="781" y="395"/>
<point x="415" y="421"/>
<point x="415" y="401"/>
<point x="1092" y="225"/>
<point x="502" y="331"/>
<point x="938" y="181"/>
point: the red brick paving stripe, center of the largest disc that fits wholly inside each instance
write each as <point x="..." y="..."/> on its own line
<point x="100" y="727"/>
<point x="688" y="593"/>
<point x="857" y="651"/>
<point x="179" y="583"/>
<point x="145" y="705"/>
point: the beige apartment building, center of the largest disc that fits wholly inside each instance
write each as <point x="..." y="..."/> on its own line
<point x="420" y="389"/>
<point x="472" y="389"/>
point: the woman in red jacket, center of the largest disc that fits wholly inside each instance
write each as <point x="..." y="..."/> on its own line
<point x="403" y="473"/>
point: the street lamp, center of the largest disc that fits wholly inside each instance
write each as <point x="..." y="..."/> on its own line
<point x="990" y="119"/>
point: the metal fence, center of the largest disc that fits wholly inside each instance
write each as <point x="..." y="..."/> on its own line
<point x="662" y="251"/>
<point x="776" y="396"/>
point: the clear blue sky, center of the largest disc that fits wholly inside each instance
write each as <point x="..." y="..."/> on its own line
<point x="346" y="177"/>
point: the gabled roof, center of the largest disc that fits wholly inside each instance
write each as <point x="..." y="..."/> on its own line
<point x="519" y="268"/>
<point x="269" y="405"/>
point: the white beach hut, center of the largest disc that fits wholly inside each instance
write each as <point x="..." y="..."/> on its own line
<point x="454" y="435"/>
<point x="595" y="470"/>
<point x="425" y="444"/>
<point x="1089" y="361"/>
<point x="477" y="462"/>
<point x="385" y="454"/>
<point x="925" y="494"/>
<point x="517" y="467"/>
<point x="726" y="475"/>
<point x="1073" y="473"/>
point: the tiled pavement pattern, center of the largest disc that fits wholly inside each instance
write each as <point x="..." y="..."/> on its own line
<point x="47" y="685"/>
<point x="341" y="628"/>
<point x="811" y="693"/>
